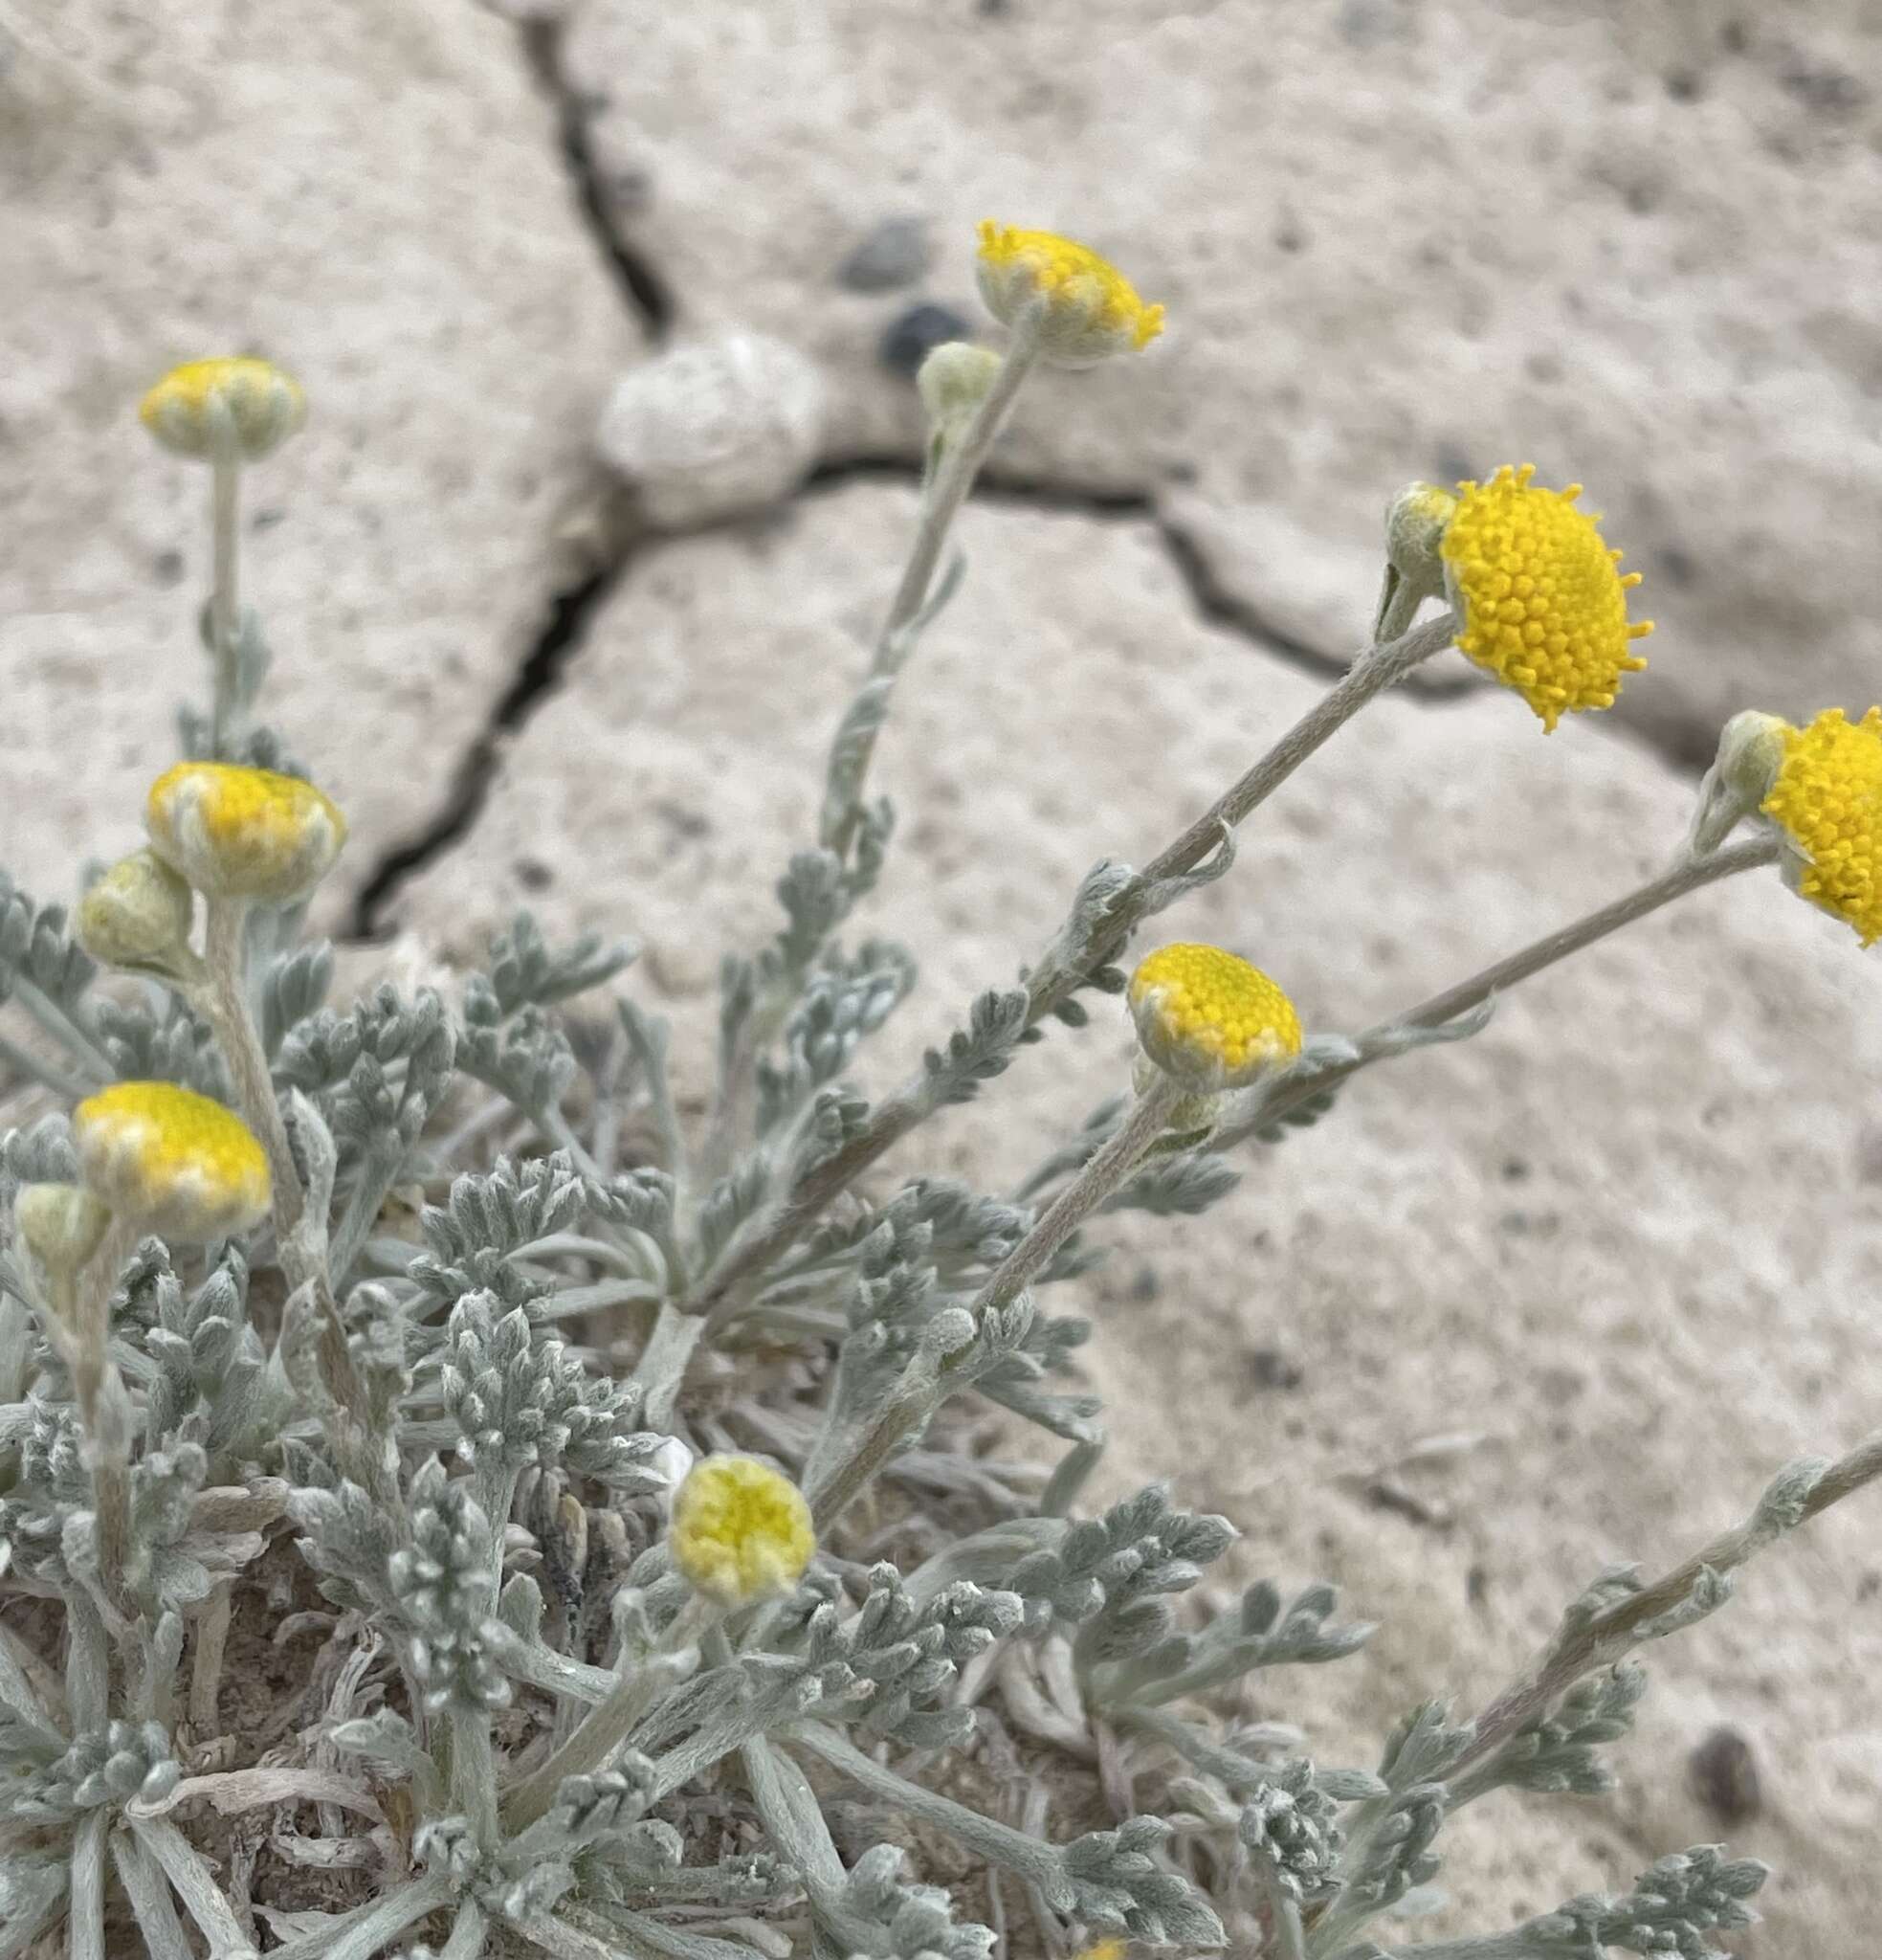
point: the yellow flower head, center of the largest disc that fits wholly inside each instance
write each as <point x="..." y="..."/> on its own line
<point x="1092" y="309"/>
<point x="172" y="1161"/>
<point x="1210" y="1019"/>
<point x="239" y="832"/>
<point x="1105" y="1949"/>
<point x="1541" y="605"/>
<point x="1828" y="798"/>
<point x="741" y="1530"/>
<point x="243" y="408"/>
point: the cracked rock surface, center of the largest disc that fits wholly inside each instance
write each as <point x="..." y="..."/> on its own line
<point x="1624" y="1245"/>
<point x="374" y="199"/>
<point x="1396" y="240"/>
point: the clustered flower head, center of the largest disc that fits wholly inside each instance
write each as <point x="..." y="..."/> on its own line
<point x="171" y="1161"/>
<point x="1208" y="1019"/>
<point x="229" y="407"/>
<point x="1828" y="800"/>
<point x="241" y="833"/>
<point x="741" y="1530"/>
<point x="1090" y="308"/>
<point x="1540" y="602"/>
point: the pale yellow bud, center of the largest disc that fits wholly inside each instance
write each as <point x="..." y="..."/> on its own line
<point x="172" y="1161"/>
<point x="138" y="916"/>
<point x="229" y="407"/>
<point x="953" y="382"/>
<point x="242" y="832"/>
<point x="60" y="1224"/>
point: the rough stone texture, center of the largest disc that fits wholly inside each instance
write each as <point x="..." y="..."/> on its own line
<point x="373" y="198"/>
<point x="1395" y="240"/>
<point x="1628" y="1239"/>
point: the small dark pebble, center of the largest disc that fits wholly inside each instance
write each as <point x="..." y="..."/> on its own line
<point x="1682" y="85"/>
<point x="1725" y="1776"/>
<point x="1515" y="1170"/>
<point x="914" y="334"/>
<point x="1677" y="563"/>
<point x="1824" y="91"/>
<point x="166" y="568"/>
<point x="1270" y="1369"/>
<point x="895" y="253"/>
<point x="1146" y="1286"/>
<point x="533" y="875"/>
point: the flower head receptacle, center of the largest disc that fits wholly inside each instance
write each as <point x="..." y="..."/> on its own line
<point x="1828" y="802"/>
<point x="1091" y="309"/>
<point x="137" y="917"/>
<point x="236" y="407"/>
<point x="241" y="833"/>
<point x="171" y="1161"/>
<point x="740" y="1531"/>
<point x="1539" y="601"/>
<point x="1211" y="1020"/>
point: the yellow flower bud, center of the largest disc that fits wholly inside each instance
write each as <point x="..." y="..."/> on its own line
<point x="1210" y="1019"/>
<point x="1090" y="308"/>
<point x="138" y="916"/>
<point x="170" y="1161"/>
<point x="741" y="1530"/>
<point x="243" y="408"/>
<point x="1535" y="589"/>
<point x="1827" y="801"/>
<point x="242" y="832"/>
<point x="60" y="1224"/>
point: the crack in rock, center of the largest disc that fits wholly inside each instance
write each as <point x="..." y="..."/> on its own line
<point x="565" y="627"/>
<point x="648" y="295"/>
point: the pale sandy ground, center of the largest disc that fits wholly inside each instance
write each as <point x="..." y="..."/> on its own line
<point x="1631" y="1238"/>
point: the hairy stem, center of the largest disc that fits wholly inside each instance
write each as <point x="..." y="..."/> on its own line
<point x="1688" y="875"/>
<point x="223" y="998"/>
<point x="1121" y="1153"/>
<point x="607" y="1725"/>
<point x="225" y="497"/>
<point x="941" y="502"/>
<point x="1609" y="1634"/>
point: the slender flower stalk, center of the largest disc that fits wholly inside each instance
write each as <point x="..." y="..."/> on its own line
<point x="941" y="498"/>
<point x="1271" y="1102"/>
<point x="911" y="1401"/>
<point x="225" y="511"/>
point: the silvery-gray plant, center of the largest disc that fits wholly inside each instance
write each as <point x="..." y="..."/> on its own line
<point x="422" y="1344"/>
